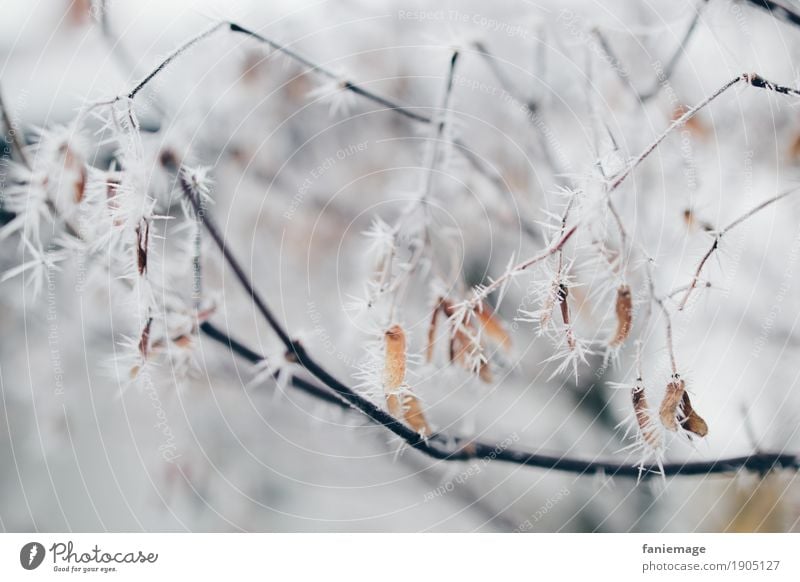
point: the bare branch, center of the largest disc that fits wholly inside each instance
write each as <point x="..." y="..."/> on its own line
<point x="718" y="237"/>
<point x="752" y="79"/>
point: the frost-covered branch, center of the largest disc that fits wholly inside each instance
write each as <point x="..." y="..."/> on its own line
<point x="718" y="237"/>
<point x="447" y="448"/>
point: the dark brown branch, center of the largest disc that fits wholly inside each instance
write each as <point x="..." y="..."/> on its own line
<point x="439" y="446"/>
<point x="462" y="449"/>
<point x="174" y="55"/>
<point x="780" y="9"/>
<point x="494" y="177"/>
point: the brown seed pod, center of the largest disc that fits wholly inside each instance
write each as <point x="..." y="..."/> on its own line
<point x="142" y="244"/>
<point x="669" y="406"/>
<point x="432" y="332"/>
<point x="692" y="421"/>
<point x="144" y="339"/>
<point x="492" y="327"/>
<point x="394" y="371"/>
<point x="648" y="430"/>
<point x="563" y="293"/>
<point x="400" y="402"/>
<point x="624" y="308"/>
<point x="80" y="184"/>
<point x="462" y="338"/>
<point x="407" y="406"/>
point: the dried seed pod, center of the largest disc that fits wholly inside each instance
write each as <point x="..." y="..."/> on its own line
<point x="144" y="339"/>
<point x="80" y="184"/>
<point x="464" y="351"/>
<point x="647" y="428"/>
<point x="142" y="244"/>
<point x="669" y="406"/>
<point x="485" y="372"/>
<point x="73" y="163"/>
<point x="492" y="327"/>
<point x="624" y="308"/>
<point x="563" y="293"/>
<point x="403" y="404"/>
<point x="394" y="371"/>
<point x="692" y="421"/>
<point x="460" y="343"/>
<point x="400" y="402"/>
<point x="432" y="332"/>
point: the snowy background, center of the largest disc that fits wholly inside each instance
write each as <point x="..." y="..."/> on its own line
<point x="299" y="175"/>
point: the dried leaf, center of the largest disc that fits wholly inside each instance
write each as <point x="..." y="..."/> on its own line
<point x="648" y="430"/>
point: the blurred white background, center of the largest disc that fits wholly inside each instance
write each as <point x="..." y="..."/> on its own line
<point x="79" y="451"/>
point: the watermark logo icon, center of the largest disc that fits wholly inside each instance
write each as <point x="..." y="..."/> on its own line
<point x="31" y="555"/>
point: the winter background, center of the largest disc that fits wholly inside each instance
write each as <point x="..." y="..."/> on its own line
<point x="299" y="172"/>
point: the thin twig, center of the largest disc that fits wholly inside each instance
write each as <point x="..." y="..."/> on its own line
<point x="752" y="79"/>
<point x="174" y="55"/>
<point x="680" y="50"/>
<point x="780" y="9"/>
<point x="531" y="107"/>
<point x="444" y="111"/>
<point x="718" y="237"/>
<point x="666" y="73"/>
<point x="494" y="177"/>
<point x="484" y="292"/>
<point x="464" y="449"/>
